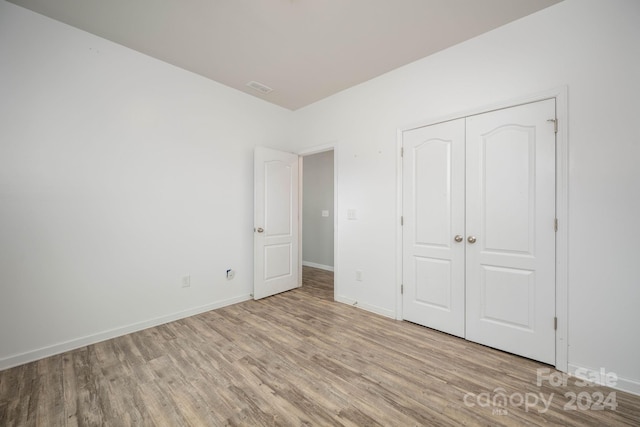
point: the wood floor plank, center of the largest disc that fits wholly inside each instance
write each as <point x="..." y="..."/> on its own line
<point x="296" y="358"/>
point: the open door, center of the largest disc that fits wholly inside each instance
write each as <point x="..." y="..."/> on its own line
<point x="275" y="240"/>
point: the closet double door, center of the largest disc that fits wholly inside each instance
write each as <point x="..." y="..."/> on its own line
<point x="479" y="228"/>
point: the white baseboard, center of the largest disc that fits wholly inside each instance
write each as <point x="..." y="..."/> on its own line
<point x="372" y="308"/>
<point x="41" y="353"/>
<point x="320" y="266"/>
<point x="622" y="384"/>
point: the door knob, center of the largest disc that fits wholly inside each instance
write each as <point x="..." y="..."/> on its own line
<point x="471" y="239"/>
<point x="458" y="238"/>
<point x="260" y="230"/>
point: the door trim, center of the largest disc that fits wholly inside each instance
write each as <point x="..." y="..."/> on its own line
<point x="562" y="204"/>
<point x="333" y="146"/>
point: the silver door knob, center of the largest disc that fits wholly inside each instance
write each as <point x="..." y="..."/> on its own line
<point x="260" y="230"/>
<point x="471" y="239"/>
<point x="458" y="238"/>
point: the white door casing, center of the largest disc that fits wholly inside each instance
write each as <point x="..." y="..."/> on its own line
<point x="276" y="228"/>
<point x="433" y="214"/>
<point x="510" y="198"/>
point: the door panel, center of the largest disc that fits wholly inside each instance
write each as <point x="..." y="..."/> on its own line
<point x="510" y="200"/>
<point x="513" y="285"/>
<point x="432" y="192"/>
<point x="433" y="208"/>
<point x="433" y="279"/>
<point x="278" y="187"/>
<point x="275" y="222"/>
<point x="277" y="261"/>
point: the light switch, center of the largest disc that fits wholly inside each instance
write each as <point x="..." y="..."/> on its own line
<point x="351" y="214"/>
<point x="325" y="213"/>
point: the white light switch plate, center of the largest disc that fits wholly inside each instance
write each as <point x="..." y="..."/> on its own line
<point x="351" y="214"/>
<point x="325" y="213"/>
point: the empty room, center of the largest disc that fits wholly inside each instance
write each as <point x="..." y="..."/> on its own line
<point x="304" y="212"/>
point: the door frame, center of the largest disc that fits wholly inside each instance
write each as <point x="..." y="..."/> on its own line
<point x="562" y="204"/>
<point x="333" y="146"/>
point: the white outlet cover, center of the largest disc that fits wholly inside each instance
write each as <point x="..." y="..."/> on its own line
<point x="352" y="214"/>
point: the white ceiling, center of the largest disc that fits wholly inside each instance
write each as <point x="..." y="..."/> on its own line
<point x="305" y="50"/>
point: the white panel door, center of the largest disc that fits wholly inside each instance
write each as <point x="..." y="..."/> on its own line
<point x="276" y="222"/>
<point x="433" y="213"/>
<point x="510" y="246"/>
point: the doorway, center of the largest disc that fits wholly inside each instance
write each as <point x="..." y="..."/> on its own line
<point x="318" y="213"/>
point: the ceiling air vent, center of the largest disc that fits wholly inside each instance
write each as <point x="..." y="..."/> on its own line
<point x="259" y="87"/>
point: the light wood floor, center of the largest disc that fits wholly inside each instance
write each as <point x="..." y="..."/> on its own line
<point x="293" y="359"/>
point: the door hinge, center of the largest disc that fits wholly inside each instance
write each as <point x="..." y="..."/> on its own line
<point x="555" y="323"/>
<point x="401" y="289"/>
<point x="401" y="220"/>
<point x="555" y="124"/>
<point x="401" y="151"/>
<point x="555" y="225"/>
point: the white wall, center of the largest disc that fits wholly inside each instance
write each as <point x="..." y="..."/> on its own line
<point x="317" y="231"/>
<point x="119" y="174"/>
<point x="593" y="47"/>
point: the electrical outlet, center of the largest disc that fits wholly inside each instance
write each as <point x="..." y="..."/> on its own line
<point x="359" y="275"/>
<point x="230" y="274"/>
<point x="186" y="281"/>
